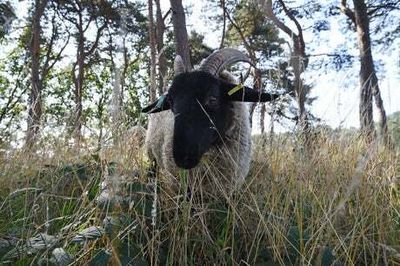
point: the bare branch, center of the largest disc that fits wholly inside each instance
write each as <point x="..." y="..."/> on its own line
<point x="57" y="57"/>
<point x="347" y="11"/>
<point x="49" y="47"/>
<point x="221" y="45"/>
<point x="62" y="15"/>
<point x="88" y="24"/>
<point x="387" y="7"/>
<point x="167" y="14"/>
<point x="10" y="103"/>
<point x="96" y="42"/>
<point x="327" y="54"/>
<point x="74" y="78"/>
<point x="239" y="31"/>
<point x="267" y="5"/>
<point x="298" y="26"/>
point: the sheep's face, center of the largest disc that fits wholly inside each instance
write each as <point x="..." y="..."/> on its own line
<point x="200" y="103"/>
<point x="200" y="109"/>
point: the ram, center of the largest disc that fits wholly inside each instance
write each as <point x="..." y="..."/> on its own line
<point x="202" y="122"/>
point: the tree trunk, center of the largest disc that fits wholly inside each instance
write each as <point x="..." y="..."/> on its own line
<point x="152" y="41"/>
<point x="83" y="61"/>
<point x="162" y="61"/>
<point x="262" y="118"/>
<point x="382" y="113"/>
<point x="366" y="69"/>
<point x="124" y="71"/>
<point x="257" y="84"/>
<point x="78" y="81"/>
<point x="116" y="105"/>
<point x="272" y="129"/>
<point x="298" y="60"/>
<point x="368" y="80"/>
<point x="35" y="98"/>
<point x="180" y="32"/>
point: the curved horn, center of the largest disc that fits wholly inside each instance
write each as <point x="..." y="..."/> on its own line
<point x="179" y="66"/>
<point x="218" y="60"/>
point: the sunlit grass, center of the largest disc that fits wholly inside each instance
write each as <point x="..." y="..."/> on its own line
<point x="335" y="201"/>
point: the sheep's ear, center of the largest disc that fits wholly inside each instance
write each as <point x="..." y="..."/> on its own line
<point x="241" y="93"/>
<point x="159" y="105"/>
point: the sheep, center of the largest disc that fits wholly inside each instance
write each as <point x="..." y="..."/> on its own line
<point x="203" y="119"/>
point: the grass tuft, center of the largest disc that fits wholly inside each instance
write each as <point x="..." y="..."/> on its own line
<point x="336" y="202"/>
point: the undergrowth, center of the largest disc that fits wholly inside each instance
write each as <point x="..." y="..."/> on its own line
<point x="335" y="202"/>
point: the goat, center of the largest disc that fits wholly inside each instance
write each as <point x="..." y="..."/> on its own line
<point x="204" y="115"/>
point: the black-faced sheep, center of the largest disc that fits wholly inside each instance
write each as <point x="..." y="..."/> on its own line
<point x="203" y="119"/>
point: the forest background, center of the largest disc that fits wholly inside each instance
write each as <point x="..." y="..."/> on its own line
<point x="323" y="186"/>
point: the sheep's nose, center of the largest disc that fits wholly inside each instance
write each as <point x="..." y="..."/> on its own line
<point x="188" y="162"/>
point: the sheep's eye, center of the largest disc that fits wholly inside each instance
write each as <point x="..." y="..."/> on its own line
<point x="212" y="101"/>
<point x="169" y="100"/>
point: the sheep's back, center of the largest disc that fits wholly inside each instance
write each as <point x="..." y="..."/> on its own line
<point x="159" y="139"/>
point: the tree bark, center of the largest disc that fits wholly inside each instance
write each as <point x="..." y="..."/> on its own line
<point x="366" y="68"/>
<point x="257" y="85"/>
<point x="162" y="61"/>
<point x="298" y="59"/>
<point x="382" y="113"/>
<point x="83" y="53"/>
<point x="78" y="81"/>
<point x="116" y="104"/>
<point x="180" y="32"/>
<point x="262" y="118"/>
<point x="35" y="98"/>
<point x="152" y="42"/>
<point x="369" y="86"/>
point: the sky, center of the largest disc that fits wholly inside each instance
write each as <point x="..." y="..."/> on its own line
<point x="337" y="92"/>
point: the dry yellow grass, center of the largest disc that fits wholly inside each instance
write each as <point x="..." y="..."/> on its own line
<point x="337" y="202"/>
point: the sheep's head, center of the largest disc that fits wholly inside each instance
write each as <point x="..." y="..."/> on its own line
<point x="199" y="101"/>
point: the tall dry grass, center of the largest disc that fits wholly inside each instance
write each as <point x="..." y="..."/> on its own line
<point x="336" y="202"/>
